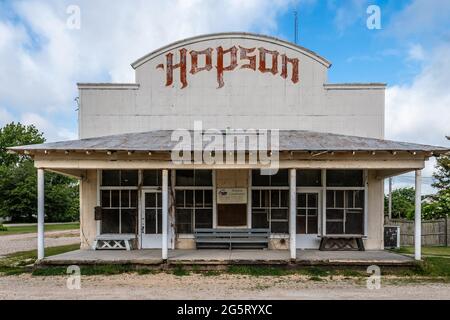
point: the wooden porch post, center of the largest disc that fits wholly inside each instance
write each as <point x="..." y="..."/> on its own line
<point x="418" y="217"/>
<point x="292" y="212"/>
<point x="165" y="212"/>
<point x="40" y="213"/>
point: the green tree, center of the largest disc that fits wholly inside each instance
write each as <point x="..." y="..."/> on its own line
<point x="439" y="206"/>
<point x="18" y="182"/>
<point x="402" y="203"/>
<point x="17" y="134"/>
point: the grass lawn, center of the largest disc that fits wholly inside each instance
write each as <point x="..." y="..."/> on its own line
<point x="18" y="262"/>
<point x="427" y="251"/>
<point x="33" y="229"/>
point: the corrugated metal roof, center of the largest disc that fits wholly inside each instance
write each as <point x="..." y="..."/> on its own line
<point x="289" y="140"/>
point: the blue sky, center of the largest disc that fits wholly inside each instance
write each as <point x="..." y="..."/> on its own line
<point x="42" y="59"/>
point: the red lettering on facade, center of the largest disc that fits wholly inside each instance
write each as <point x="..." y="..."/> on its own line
<point x="251" y="59"/>
<point x="262" y="61"/>
<point x="171" y="67"/>
<point x="220" y="67"/>
<point x="247" y="59"/>
<point x="194" y="60"/>
<point x="284" y="68"/>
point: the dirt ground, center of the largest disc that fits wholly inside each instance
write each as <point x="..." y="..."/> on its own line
<point x="224" y="286"/>
<point x="28" y="241"/>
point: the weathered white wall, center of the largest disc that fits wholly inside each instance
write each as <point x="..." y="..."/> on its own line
<point x="88" y="201"/>
<point x="248" y="99"/>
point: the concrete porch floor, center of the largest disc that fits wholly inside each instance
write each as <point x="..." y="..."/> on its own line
<point x="226" y="257"/>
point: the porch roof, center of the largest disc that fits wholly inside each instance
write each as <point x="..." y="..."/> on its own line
<point x="289" y="140"/>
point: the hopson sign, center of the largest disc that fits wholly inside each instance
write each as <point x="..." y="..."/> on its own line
<point x="247" y="60"/>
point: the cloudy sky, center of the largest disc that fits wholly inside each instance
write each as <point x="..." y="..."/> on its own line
<point x="42" y="57"/>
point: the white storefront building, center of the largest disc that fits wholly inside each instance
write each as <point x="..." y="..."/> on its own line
<point x="332" y="156"/>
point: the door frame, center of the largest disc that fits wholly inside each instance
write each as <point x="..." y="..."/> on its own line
<point x="310" y="241"/>
<point x="156" y="242"/>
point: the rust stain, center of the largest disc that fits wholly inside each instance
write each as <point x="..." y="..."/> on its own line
<point x="220" y="68"/>
<point x="194" y="60"/>
<point x="251" y="59"/>
<point x="284" y="69"/>
<point x="247" y="57"/>
<point x="262" y="61"/>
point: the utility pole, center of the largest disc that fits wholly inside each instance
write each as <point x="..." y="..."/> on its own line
<point x="295" y="26"/>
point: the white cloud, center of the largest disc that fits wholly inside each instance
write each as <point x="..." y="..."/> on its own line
<point x="348" y="12"/>
<point x="420" y="112"/>
<point x="416" y="52"/>
<point x="42" y="59"/>
<point x="5" y="117"/>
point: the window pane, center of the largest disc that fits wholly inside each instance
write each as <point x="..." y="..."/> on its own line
<point x="203" y="177"/>
<point x="256" y="199"/>
<point x="301" y="200"/>
<point x="280" y="179"/>
<point x="339" y="199"/>
<point x="208" y="198"/>
<point x="105" y="198"/>
<point x="110" y="178"/>
<point x="334" y="227"/>
<point x="115" y="198"/>
<point x="312" y="212"/>
<point x="128" y="177"/>
<point x="259" y="218"/>
<point x="335" y="214"/>
<point x="312" y="200"/>
<point x="284" y="198"/>
<point x="354" y="222"/>
<point x="125" y="198"/>
<point x="150" y="221"/>
<point x="312" y="225"/>
<point x="301" y="225"/>
<point x="349" y="197"/>
<point x="260" y="180"/>
<point x="344" y="178"/>
<point x="359" y="199"/>
<point x="128" y="220"/>
<point x="279" y="214"/>
<point x="301" y="212"/>
<point x="275" y="199"/>
<point x="159" y="214"/>
<point x="159" y="199"/>
<point x="152" y="178"/>
<point x="280" y="227"/>
<point x="265" y="198"/>
<point x="189" y="194"/>
<point x="199" y="198"/>
<point x="150" y="200"/>
<point x="330" y="199"/>
<point x="203" y="218"/>
<point x="133" y="199"/>
<point x="110" y="221"/>
<point x="185" y="177"/>
<point x="179" y="198"/>
<point x="183" y="218"/>
<point x="309" y="178"/>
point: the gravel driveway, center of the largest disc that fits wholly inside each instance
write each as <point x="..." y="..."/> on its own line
<point x="225" y="286"/>
<point x="28" y="241"/>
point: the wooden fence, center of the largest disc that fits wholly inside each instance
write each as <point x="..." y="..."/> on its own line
<point x="434" y="232"/>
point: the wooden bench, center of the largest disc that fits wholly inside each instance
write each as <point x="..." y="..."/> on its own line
<point x="231" y="238"/>
<point x="113" y="242"/>
<point x="341" y="242"/>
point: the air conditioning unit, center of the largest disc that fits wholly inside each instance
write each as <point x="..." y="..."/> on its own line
<point x="391" y="237"/>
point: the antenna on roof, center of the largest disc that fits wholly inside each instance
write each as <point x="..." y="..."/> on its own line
<point x="295" y="26"/>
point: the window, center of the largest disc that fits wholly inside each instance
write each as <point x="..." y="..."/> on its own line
<point x="193" y="200"/>
<point x="119" y="209"/>
<point x="152" y="178"/>
<point x="278" y="179"/>
<point x="307" y="213"/>
<point x="309" y="178"/>
<point x="116" y="178"/>
<point x="270" y="201"/>
<point x="344" y="178"/>
<point x="119" y="201"/>
<point x="191" y="178"/>
<point x="345" y="211"/>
